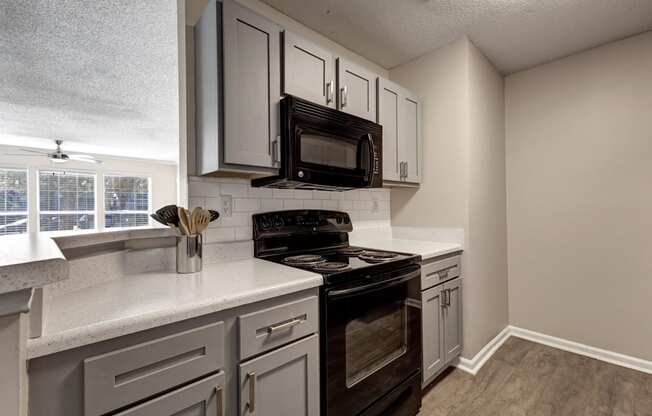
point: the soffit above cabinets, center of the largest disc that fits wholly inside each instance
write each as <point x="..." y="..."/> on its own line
<point x="514" y="34"/>
<point x="101" y="75"/>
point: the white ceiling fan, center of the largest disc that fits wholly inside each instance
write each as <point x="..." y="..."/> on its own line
<point x="57" y="156"/>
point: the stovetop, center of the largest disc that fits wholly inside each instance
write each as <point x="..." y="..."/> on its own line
<point x="345" y="263"/>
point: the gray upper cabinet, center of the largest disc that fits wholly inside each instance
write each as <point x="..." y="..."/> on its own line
<point x="283" y="382"/>
<point x="356" y="90"/>
<point x="238" y="89"/>
<point x="433" y="333"/>
<point x="399" y="112"/>
<point x="453" y="318"/>
<point x="308" y="70"/>
<point x="252" y="89"/>
<point x="389" y="105"/>
<point x="410" y="150"/>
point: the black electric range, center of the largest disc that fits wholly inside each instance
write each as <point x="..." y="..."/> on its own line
<point x="370" y="323"/>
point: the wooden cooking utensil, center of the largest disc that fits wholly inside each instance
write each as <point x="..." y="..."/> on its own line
<point x="184" y="221"/>
<point x="201" y="221"/>
<point x="194" y="219"/>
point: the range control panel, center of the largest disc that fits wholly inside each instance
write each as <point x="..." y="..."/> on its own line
<point x="300" y="221"/>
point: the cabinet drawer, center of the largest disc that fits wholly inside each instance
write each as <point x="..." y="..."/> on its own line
<point x="440" y="271"/>
<point x="202" y="398"/>
<point x="120" y="377"/>
<point x="263" y="330"/>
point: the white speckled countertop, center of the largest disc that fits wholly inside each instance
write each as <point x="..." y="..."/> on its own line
<point x="141" y="301"/>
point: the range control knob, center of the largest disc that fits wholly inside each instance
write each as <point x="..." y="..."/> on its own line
<point x="278" y="222"/>
<point x="301" y="174"/>
<point x="265" y="223"/>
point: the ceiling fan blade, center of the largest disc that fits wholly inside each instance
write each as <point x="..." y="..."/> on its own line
<point x="24" y="155"/>
<point x="84" y="158"/>
<point x="40" y="152"/>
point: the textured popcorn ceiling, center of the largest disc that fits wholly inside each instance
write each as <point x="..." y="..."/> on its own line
<point x="514" y="34"/>
<point x="100" y="74"/>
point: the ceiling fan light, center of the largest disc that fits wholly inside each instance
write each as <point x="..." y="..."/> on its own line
<point x="56" y="160"/>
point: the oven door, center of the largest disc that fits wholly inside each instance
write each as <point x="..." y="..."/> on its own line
<point x="372" y="340"/>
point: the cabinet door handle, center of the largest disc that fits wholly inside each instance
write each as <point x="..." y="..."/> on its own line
<point x="343" y="96"/>
<point x="448" y="297"/>
<point x="252" y="392"/>
<point x="272" y="329"/>
<point x="276" y="150"/>
<point x="401" y="171"/>
<point x="443" y="298"/>
<point x="219" y="401"/>
<point x="330" y="87"/>
<point x="406" y="170"/>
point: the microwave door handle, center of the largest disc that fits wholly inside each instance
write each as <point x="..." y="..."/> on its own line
<point x="371" y="287"/>
<point x="373" y="159"/>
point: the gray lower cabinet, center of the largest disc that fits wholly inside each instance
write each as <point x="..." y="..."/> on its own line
<point x="356" y="90"/>
<point x="433" y="332"/>
<point x="282" y="382"/>
<point x="399" y="112"/>
<point x="441" y="317"/>
<point x="238" y="89"/>
<point x="202" y="398"/>
<point x="308" y="70"/>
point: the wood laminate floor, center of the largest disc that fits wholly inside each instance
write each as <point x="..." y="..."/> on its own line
<point x="528" y="379"/>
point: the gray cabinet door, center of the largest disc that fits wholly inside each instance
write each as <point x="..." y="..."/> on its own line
<point x="453" y="319"/>
<point x="283" y="382"/>
<point x="389" y="110"/>
<point x="201" y="398"/>
<point x="356" y="90"/>
<point x="252" y="86"/>
<point x="432" y="314"/>
<point x="308" y="70"/>
<point x="410" y="137"/>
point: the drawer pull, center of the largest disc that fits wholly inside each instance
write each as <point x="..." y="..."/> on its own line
<point x="252" y="392"/>
<point x="219" y="401"/>
<point x="273" y="329"/>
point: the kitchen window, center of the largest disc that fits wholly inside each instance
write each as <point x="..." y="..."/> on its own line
<point x="126" y="201"/>
<point x="13" y="201"/>
<point x="66" y="200"/>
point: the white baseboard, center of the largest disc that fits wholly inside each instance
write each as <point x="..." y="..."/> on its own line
<point x="474" y="365"/>
<point x="586" y="350"/>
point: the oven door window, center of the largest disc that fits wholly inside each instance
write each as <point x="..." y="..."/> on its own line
<point x="333" y="151"/>
<point x="375" y="339"/>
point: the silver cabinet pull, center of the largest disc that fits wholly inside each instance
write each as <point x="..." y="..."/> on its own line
<point x="276" y="150"/>
<point x="272" y="329"/>
<point x="344" y="93"/>
<point x="401" y="170"/>
<point x="443" y="298"/>
<point x="330" y="87"/>
<point x="219" y="401"/>
<point x="406" y="170"/>
<point x="448" y="297"/>
<point x="252" y="392"/>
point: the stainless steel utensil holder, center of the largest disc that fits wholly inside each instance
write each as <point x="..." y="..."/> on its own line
<point x="189" y="253"/>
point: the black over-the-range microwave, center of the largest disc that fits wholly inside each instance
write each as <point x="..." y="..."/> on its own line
<point x="323" y="148"/>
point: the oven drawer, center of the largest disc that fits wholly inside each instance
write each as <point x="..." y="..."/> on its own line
<point x="440" y="271"/>
<point x="263" y="330"/>
<point x="121" y="377"/>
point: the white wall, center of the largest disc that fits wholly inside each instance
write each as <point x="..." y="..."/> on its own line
<point x="163" y="175"/>
<point x="579" y="176"/>
<point x="463" y="183"/>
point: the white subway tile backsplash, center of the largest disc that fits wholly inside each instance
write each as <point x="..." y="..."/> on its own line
<point x="219" y="235"/>
<point x="260" y="193"/>
<point x="246" y="205"/>
<point x="233" y="232"/>
<point x="312" y="204"/>
<point x="330" y="204"/>
<point x="236" y="190"/>
<point x="302" y="194"/>
<point x="271" y="204"/>
<point x="283" y="193"/>
<point x="292" y="204"/>
<point x="199" y="189"/>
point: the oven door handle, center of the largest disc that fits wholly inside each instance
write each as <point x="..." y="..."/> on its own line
<point x="374" y="286"/>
